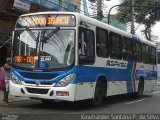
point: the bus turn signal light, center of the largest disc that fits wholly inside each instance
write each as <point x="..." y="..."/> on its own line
<point x="62" y="93"/>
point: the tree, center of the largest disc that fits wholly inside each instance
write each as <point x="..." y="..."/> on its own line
<point x="145" y="13"/>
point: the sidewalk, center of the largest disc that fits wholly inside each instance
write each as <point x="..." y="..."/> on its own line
<point x="12" y="99"/>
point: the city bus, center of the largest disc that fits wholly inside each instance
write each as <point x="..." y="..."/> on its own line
<point x="71" y="57"/>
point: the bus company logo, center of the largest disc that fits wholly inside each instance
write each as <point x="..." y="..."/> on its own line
<point x="116" y="64"/>
<point x="37" y="83"/>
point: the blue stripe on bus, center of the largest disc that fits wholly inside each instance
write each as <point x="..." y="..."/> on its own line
<point x="91" y="74"/>
<point x="129" y="77"/>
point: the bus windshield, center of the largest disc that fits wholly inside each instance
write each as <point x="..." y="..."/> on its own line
<point x="44" y="49"/>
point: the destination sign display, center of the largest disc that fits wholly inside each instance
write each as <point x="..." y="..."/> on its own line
<point x="24" y="59"/>
<point x="46" y="21"/>
<point x="31" y="59"/>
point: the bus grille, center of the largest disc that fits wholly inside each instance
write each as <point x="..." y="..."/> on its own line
<point x="37" y="91"/>
<point x="41" y="83"/>
<point x="38" y="75"/>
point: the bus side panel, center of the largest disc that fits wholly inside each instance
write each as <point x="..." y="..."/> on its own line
<point x="119" y="80"/>
<point x="86" y="78"/>
<point x="149" y="73"/>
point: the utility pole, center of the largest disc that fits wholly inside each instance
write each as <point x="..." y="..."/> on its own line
<point x="99" y="10"/>
<point x="132" y="19"/>
<point x="62" y="5"/>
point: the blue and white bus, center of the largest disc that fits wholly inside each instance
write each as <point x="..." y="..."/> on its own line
<point x="69" y="56"/>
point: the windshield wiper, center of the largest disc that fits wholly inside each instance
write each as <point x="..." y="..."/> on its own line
<point x="30" y="31"/>
<point x="49" y="35"/>
<point x="32" y="34"/>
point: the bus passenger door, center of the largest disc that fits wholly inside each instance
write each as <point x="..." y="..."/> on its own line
<point x="86" y="58"/>
<point x="86" y="46"/>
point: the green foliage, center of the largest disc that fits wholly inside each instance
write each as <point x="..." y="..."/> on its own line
<point x="145" y="13"/>
<point x="142" y="14"/>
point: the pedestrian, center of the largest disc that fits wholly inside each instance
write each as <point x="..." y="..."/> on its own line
<point x="5" y="77"/>
<point x="2" y="84"/>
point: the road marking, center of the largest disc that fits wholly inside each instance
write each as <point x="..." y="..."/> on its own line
<point x="135" y="101"/>
<point x="156" y="92"/>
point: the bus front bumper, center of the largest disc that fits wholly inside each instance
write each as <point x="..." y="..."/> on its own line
<point x="43" y="92"/>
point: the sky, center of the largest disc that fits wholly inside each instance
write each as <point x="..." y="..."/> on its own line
<point x="157" y="28"/>
<point x="109" y="4"/>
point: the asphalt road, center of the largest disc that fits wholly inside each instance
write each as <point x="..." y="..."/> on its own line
<point x="115" y="107"/>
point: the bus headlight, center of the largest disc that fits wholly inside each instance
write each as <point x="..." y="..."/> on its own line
<point x="65" y="81"/>
<point x="15" y="79"/>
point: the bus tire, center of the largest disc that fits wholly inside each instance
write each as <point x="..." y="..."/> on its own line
<point x="140" y="88"/>
<point x="100" y="93"/>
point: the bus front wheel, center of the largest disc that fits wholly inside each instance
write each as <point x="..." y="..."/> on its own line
<point x="100" y="93"/>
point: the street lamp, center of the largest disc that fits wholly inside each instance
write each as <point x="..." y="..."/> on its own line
<point x="132" y="26"/>
<point x="110" y="11"/>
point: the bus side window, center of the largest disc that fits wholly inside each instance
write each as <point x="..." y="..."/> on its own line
<point x="145" y="54"/>
<point x="137" y="51"/>
<point x="127" y="48"/>
<point x="153" y="56"/>
<point x="116" y="46"/>
<point x="86" y="46"/>
<point x="102" y="43"/>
